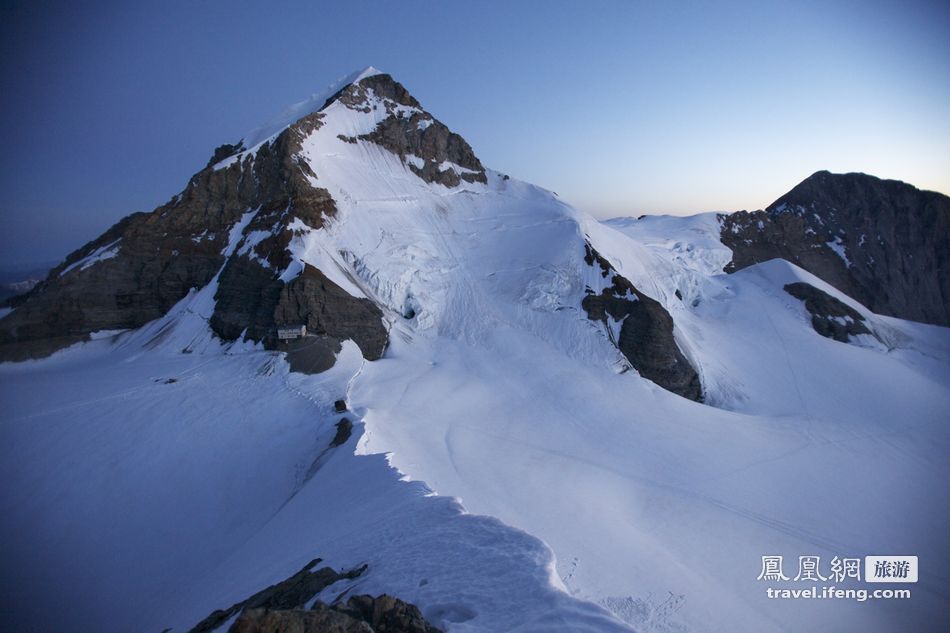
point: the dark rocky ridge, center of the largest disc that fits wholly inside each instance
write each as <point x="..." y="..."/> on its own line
<point x="830" y="317"/>
<point x="646" y="334"/>
<point x="896" y="237"/>
<point x="225" y="151"/>
<point x="281" y="608"/>
<point x="360" y="614"/>
<point x="414" y="133"/>
<point x="290" y="593"/>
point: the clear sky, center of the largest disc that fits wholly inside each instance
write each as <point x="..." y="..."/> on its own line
<point x="621" y="107"/>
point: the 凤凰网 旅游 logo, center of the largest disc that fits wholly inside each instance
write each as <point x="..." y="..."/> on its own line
<point x="809" y="571"/>
<point x="877" y="569"/>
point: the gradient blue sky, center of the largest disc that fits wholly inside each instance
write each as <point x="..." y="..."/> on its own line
<point x="622" y="108"/>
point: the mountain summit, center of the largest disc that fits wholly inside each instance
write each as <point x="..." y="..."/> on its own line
<point x="260" y="229"/>
<point x="241" y="224"/>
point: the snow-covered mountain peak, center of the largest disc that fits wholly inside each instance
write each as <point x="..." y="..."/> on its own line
<point x="315" y="102"/>
<point x="369" y="71"/>
<point x="366" y="107"/>
<point x="492" y="342"/>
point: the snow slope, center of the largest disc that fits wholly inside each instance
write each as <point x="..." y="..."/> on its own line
<point x="141" y="504"/>
<point x="137" y="505"/>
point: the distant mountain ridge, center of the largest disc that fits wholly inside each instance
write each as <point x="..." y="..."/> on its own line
<point x="883" y="242"/>
<point x="21" y="279"/>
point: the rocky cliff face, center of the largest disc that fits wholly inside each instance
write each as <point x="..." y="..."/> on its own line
<point x="147" y="262"/>
<point x="328" y="310"/>
<point x="427" y="146"/>
<point x="645" y="337"/>
<point x="233" y="225"/>
<point x="882" y="242"/>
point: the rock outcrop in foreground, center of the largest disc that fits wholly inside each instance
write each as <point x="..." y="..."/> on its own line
<point x="360" y="614"/>
<point x="882" y="242"/>
<point x="282" y="608"/>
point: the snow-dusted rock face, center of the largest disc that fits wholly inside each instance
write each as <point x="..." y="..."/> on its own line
<point x="291" y="605"/>
<point x="270" y="195"/>
<point x="883" y="242"/>
<point x="641" y="328"/>
<point x="225" y="220"/>
<point x="359" y="614"/>
<point x="829" y="316"/>
<point x="290" y="594"/>
<point x="431" y="150"/>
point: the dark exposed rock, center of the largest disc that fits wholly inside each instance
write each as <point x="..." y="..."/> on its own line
<point x="247" y="295"/>
<point x="895" y="237"/>
<point x="328" y="310"/>
<point x="252" y="300"/>
<point x="225" y="151"/>
<point x="830" y="317"/>
<point x="591" y="256"/>
<point x="413" y="132"/>
<point x="344" y="428"/>
<point x="356" y="95"/>
<point x="339" y="406"/>
<point x="386" y="614"/>
<point x="281" y="608"/>
<point x="360" y="614"/>
<point x="292" y="593"/>
<point x="646" y="332"/>
<point x="297" y="621"/>
<point x="434" y="144"/>
<point x="154" y="263"/>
